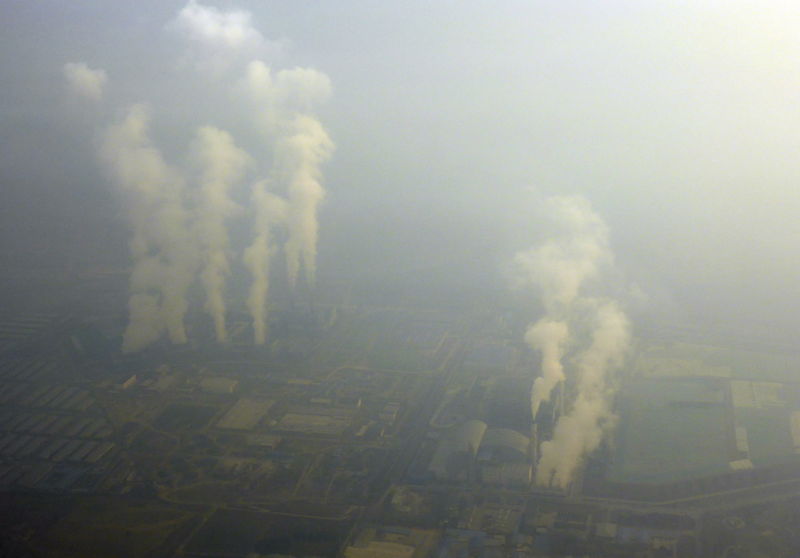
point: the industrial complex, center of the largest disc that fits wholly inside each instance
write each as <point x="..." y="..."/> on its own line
<point x="391" y="432"/>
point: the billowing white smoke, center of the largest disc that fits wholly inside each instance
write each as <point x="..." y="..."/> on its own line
<point x="163" y="253"/>
<point x="170" y="241"/>
<point x="581" y="430"/>
<point x="84" y="81"/>
<point x="550" y="338"/>
<point x="559" y="268"/>
<point x="221" y="165"/>
<point x="217" y="39"/>
<point x="270" y="214"/>
<point x="300" y="144"/>
<point x="298" y="159"/>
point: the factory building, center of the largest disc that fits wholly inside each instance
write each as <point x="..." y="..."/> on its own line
<point x="245" y="414"/>
<point x="503" y="445"/>
<point x="218" y="385"/>
<point x="455" y="454"/>
<point x="472" y="451"/>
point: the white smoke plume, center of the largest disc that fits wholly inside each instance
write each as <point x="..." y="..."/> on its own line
<point x="284" y="104"/>
<point x="162" y="250"/>
<point x="298" y="160"/>
<point x="221" y="164"/>
<point x="581" y="430"/>
<point x="172" y="240"/>
<point x="558" y="268"/>
<point x="217" y="39"/>
<point x="550" y="338"/>
<point x="84" y="81"/>
<point x="276" y="99"/>
<point x="270" y="214"/>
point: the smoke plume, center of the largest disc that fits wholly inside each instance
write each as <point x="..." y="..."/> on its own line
<point x="84" y="81"/>
<point x="300" y="145"/>
<point x="581" y="430"/>
<point x="560" y="267"/>
<point x="270" y="213"/>
<point x="549" y="337"/>
<point x="221" y="164"/>
<point x="217" y="39"/>
<point x="162" y="249"/>
<point x="178" y="231"/>
<point x="298" y="160"/>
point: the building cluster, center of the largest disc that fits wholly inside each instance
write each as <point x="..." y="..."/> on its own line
<point x="52" y="434"/>
<point x="403" y="437"/>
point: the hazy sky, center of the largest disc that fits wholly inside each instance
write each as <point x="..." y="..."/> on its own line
<point x="679" y="121"/>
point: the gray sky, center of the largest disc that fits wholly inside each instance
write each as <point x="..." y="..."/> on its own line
<point x="679" y="121"/>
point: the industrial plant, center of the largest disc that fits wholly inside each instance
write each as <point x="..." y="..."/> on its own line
<point x="399" y="279"/>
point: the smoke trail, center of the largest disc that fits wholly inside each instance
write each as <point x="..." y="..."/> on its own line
<point x="221" y="165"/>
<point x="162" y="250"/>
<point x="580" y="431"/>
<point x="270" y="213"/>
<point x="558" y="268"/>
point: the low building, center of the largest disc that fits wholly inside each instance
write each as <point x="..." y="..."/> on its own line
<point x="455" y="454"/>
<point x="245" y="414"/>
<point x="218" y="385"/>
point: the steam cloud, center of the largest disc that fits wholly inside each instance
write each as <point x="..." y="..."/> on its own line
<point x="581" y="430"/>
<point x="180" y="216"/>
<point x="299" y="158"/>
<point x="162" y="248"/>
<point x="270" y="213"/>
<point x="559" y="268"/>
<point x="217" y="39"/>
<point x="84" y="81"/>
<point x="221" y="164"/>
<point x="300" y="144"/>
